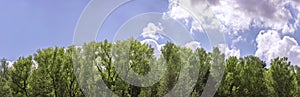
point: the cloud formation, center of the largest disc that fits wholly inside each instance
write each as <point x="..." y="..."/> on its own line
<point x="154" y="45"/>
<point x="152" y="36"/>
<point x="194" y="15"/>
<point x="239" y="15"/>
<point x="229" y="52"/>
<point x="10" y="63"/>
<point x="151" y="30"/>
<point x="193" y="45"/>
<point x="270" y="45"/>
<point x="200" y="17"/>
<point x="280" y="17"/>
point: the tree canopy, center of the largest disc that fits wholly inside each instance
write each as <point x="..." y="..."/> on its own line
<point x="78" y="71"/>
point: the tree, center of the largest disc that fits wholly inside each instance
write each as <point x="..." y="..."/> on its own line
<point x="297" y="69"/>
<point x="73" y="88"/>
<point x="141" y="56"/>
<point x="230" y="80"/>
<point x="216" y="71"/>
<point x="54" y="75"/>
<point x="20" y="73"/>
<point x="202" y="59"/>
<point x="78" y="71"/>
<point x="252" y="80"/>
<point x="84" y="64"/>
<point x="5" y="89"/>
<point x="173" y="63"/>
<point x="283" y="79"/>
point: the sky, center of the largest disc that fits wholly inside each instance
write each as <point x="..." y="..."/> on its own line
<point x="28" y="25"/>
<point x="263" y="28"/>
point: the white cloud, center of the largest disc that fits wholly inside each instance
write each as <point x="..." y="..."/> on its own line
<point x="289" y="28"/>
<point x="10" y="63"/>
<point x="154" y="45"/>
<point x="235" y="41"/>
<point x="236" y="15"/>
<point x="151" y="30"/>
<point x="35" y="64"/>
<point x="229" y="52"/>
<point x="241" y="14"/>
<point x="270" y="45"/>
<point x="296" y="4"/>
<point x="194" y="13"/>
<point x="196" y="27"/>
<point x="265" y="41"/>
<point x="202" y="19"/>
<point x="177" y="12"/>
<point x="193" y="45"/>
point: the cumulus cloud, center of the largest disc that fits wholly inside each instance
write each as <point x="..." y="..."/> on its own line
<point x="151" y="33"/>
<point x="296" y="3"/>
<point x="193" y="13"/>
<point x="200" y="17"/>
<point x="235" y="16"/>
<point x="10" y="63"/>
<point x="193" y="45"/>
<point x="196" y="27"/>
<point x="151" y="30"/>
<point x="229" y="52"/>
<point x="289" y="28"/>
<point x="154" y="45"/>
<point x="270" y="45"/>
<point x="238" y="15"/>
<point x="178" y="12"/>
<point x="241" y="14"/>
<point x="35" y="64"/>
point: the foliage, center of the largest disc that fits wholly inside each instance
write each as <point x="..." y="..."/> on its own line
<point x="77" y="71"/>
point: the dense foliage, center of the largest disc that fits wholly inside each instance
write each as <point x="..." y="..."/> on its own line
<point x="77" y="71"/>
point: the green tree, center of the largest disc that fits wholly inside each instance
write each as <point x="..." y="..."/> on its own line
<point x="203" y="59"/>
<point x="283" y="79"/>
<point x="78" y="71"/>
<point x="84" y="59"/>
<point x="297" y="69"/>
<point x="72" y="86"/>
<point x="216" y="71"/>
<point x="54" y="75"/>
<point x="20" y="73"/>
<point x="252" y="80"/>
<point x="5" y="89"/>
<point x="171" y="55"/>
<point x="230" y="80"/>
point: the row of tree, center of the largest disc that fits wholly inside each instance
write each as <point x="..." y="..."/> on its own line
<point x="104" y="69"/>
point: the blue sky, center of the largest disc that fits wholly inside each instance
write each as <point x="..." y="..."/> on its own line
<point x="264" y="29"/>
<point x="27" y="25"/>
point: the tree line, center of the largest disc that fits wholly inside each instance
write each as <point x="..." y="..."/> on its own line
<point x="78" y="72"/>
